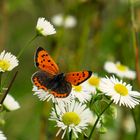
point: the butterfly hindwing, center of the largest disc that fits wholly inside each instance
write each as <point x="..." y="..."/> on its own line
<point x="44" y="62"/>
<point x="76" y="78"/>
<point x="62" y="88"/>
<point x="59" y="88"/>
<point x="59" y="95"/>
<point x="41" y="80"/>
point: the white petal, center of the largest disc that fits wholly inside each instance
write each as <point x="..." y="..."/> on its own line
<point x="44" y="27"/>
<point x="10" y="103"/>
<point x="2" y="137"/>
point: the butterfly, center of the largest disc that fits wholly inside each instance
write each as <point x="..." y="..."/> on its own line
<point x="50" y="79"/>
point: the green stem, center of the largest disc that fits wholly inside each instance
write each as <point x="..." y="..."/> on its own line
<point x="9" y="87"/>
<point x="0" y="81"/>
<point x="70" y="135"/>
<point x="90" y="103"/>
<point x="55" y="110"/>
<point x="132" y="12"/>
<point x="99" y="116"/>
<point x="135" y="121"/>
<point x="135" y="40"/>
<point x="5" y="79"/>
<point x="22" y="50"/>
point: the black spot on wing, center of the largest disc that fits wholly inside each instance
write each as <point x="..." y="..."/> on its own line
<point x="89" y="74"/>
<point x="83" y="74"/>
<point x="37" y="64"/>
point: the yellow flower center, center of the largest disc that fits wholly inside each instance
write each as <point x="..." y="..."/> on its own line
<point x="121" y="67"/>
<point x="121" y="89"/>
<point x="4" y="65"/>
<point x="94" y="81"/>
<point x="77" y="88"/>
<point x="71" y="118"/>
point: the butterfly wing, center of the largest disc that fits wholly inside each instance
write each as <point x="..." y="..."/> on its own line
<point x="62" y="90"/>
<point x="59" y="95"/>
<point x="47" y="82"/>
<point x="44" y="62"/>
<point x="41" y="79"/>
<point x="76" y="78"/>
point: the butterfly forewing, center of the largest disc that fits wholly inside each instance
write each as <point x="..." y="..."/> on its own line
<point x="44" y="62"/>
<point x="76" y="78"/>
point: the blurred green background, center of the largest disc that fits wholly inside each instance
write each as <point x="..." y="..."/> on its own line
<point x="103" y="32"/>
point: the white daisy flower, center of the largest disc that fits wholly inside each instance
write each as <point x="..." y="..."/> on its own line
<point x="81" y="93"/>
<point x="2" y="136"/>
<point x="7" y="61"/>
<point x="92" y="83"/>
<point x="44" y="27"/>
<point x="120" y="70"/>
<point x="58" y="20"/>
<point x="70" y="21"/>
<point x="10" y="103"/>
<point x="120" y="92"/>
<point x="73" y="117"/>
<point x="45" y="95"/>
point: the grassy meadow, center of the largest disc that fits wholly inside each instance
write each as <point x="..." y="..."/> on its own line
<point x="103" y="31"/>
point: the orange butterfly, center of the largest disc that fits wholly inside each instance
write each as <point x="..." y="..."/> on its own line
<point x="49" y="78"/>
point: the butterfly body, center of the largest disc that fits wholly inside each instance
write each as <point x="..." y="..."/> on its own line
<point x="49" y="78"/>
